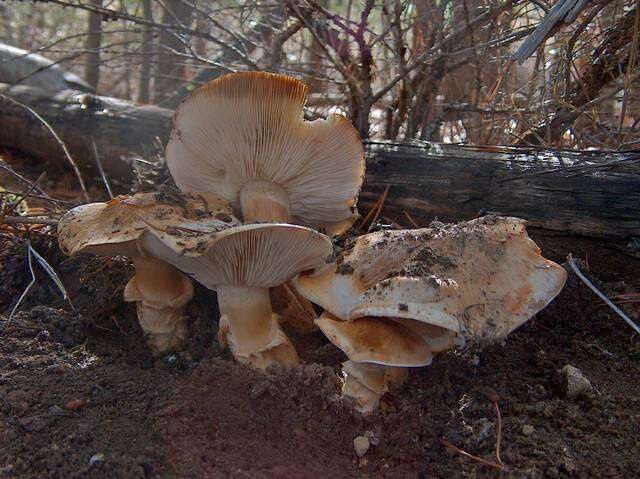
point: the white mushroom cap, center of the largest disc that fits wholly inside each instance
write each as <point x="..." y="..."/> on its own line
<point x="483" y="277"/>
<point x="115" y="227"/>
<point x="259" y="255"/>
<point x="376" y="340"/>
<point x="249" y="127"/>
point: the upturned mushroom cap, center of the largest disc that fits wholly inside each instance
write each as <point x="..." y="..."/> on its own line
<point x="483" y="277"/>
<point x="115" y="227"/>
<point x="259" y="255"/>
<point x="249" y="127"/>
<point x="376" y="340"/>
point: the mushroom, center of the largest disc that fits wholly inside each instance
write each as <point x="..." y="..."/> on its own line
<point x="241" y="264"/>
<point x="366" y="383"/>
<point x="243" y="136"/>
<point x="379" y="350"/>
<point x="477" y="280"/>
<point x="160" y="291"/>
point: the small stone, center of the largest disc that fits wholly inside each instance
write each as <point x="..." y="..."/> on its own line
<point x="575" y="382"/>
<point x="97" y="459"/>
<point x="361" y="445"/>
<point x="527" y="429"/>
<point x="75" y="404"/>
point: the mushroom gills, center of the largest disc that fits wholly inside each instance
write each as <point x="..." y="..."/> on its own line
<point x="265" y="202"/>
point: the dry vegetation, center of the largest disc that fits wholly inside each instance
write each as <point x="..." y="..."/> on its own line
<point x="434" y="70"/>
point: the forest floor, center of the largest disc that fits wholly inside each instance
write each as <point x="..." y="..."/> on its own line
<point x="80" y="396"/>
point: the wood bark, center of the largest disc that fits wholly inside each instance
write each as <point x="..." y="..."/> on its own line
<point x="596" y="194"/>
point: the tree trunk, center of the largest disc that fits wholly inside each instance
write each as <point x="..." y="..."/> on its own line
<point x="146" y="51"/>
<point x="170" y="67"/>
<point x="596" y="194"/>
<point x="92" y="45"/>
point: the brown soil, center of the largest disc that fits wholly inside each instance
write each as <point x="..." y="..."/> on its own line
<point x="81" y="385"/>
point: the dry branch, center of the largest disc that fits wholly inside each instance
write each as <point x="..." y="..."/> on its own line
<point x="610" y="60"/>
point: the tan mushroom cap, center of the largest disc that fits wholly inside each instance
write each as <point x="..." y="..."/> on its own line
<point x="485" y="277"/>
<point x="115" y="227"/>
<point x="260" y="255"/>
<point x="376" y="340"/>
<point x="249" y="127"/>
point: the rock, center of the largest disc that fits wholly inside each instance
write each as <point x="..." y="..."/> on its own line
<point x="97" y="459"/>
<point x="527" y="429"/>
<point x="361" y="444"/>
<point x="575" y="382"/>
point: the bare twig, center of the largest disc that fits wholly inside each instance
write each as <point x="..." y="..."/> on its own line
<point x="448" y="445"/>
<point x="498" y="431"/>
<point x="586" y="281"/>
<point x="28" y="221"/>
<point x="102" y="174"/>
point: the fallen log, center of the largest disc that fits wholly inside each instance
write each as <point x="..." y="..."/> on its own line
<point x="596" y="194"/>
<point x="119" y="128"/>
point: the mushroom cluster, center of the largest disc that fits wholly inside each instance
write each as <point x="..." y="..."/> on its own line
<point x="394" y="298"/>
<point x="261" y="190"/>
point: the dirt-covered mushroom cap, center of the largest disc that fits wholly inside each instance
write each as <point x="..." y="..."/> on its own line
<point x="160" y="291"/>
<point x="483" y="277"/>
<point x="243" y="137"/>
<point x="376" y="340"/>
<point x="114" y="227"/>
<point x="259" y="255"/>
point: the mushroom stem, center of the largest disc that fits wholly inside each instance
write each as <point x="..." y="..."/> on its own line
<point x="264" y="201"/>
<point x="365" y="383"/>
<point x="251" y="329"/>
<point x="161" y="293"/>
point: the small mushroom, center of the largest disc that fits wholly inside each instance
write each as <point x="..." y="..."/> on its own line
<point x="243" y="136"/>
<point x="241" y="264"/>
<point x="160" y="291"/>
<point x="366" y="383"/>
<point x="477" y="280"/>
